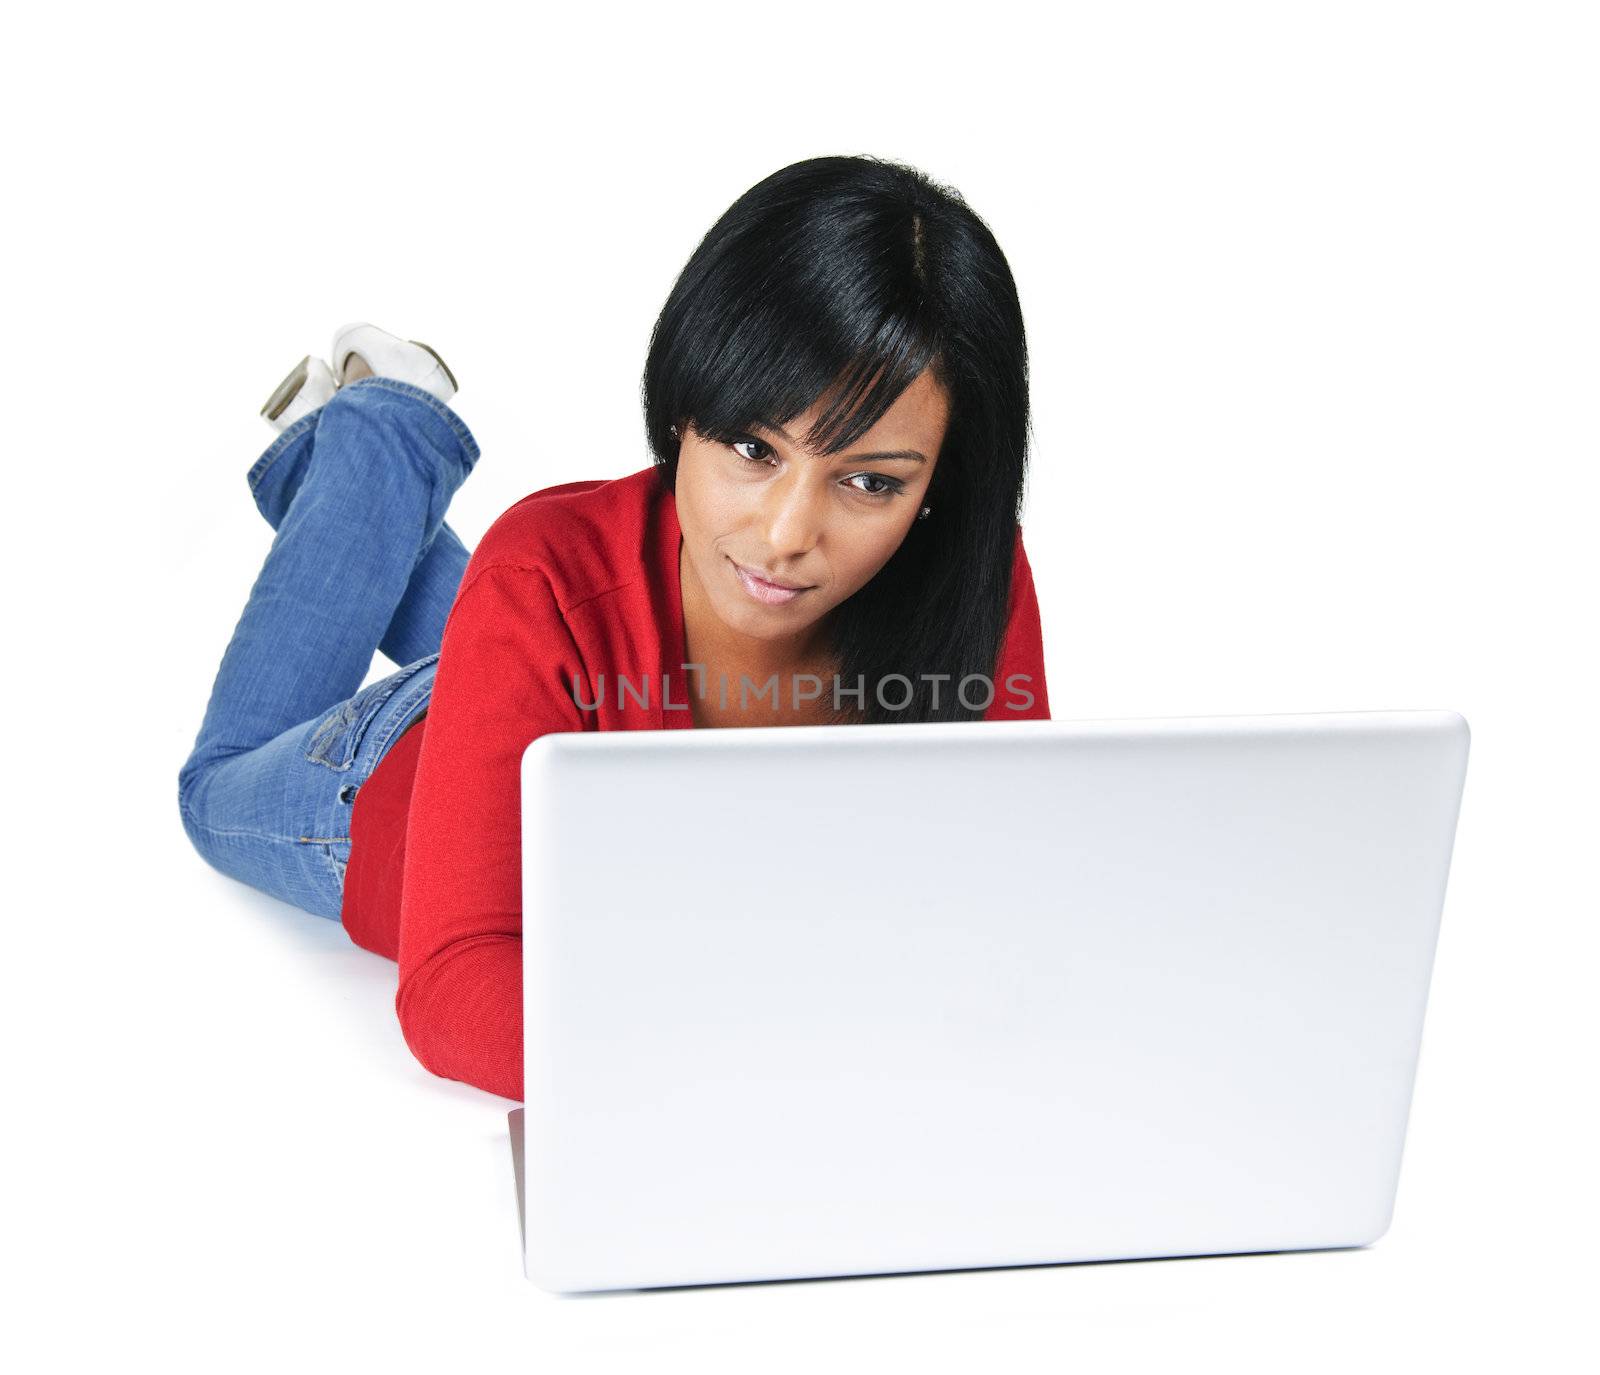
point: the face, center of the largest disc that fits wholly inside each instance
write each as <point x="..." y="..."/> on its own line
<point x="823" y="525"/>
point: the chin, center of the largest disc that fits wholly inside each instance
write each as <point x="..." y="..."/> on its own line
<point x="758" y="625"/>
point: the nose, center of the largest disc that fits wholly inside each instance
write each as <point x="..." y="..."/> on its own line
<point x="793" y="518"/>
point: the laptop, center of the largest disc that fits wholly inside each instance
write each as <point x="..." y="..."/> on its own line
<point x="861" y="1000"/>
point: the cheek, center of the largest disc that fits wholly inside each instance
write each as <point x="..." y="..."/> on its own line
<point x="859" y="560"/>
<point x="708" y="501"/>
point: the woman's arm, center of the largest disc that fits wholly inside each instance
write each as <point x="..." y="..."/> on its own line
<point x="505" y="672"/>
<point x="1022" y="652"/>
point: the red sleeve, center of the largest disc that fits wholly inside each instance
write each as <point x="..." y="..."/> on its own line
<point x="1019" y="687"/>
<point x="504" y="678"/>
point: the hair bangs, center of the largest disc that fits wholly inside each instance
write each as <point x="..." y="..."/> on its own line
<point x="871" y="383"/>
<point x="857" y="352"/>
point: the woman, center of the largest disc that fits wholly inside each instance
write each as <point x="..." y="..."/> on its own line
<point x="836" y="402"/>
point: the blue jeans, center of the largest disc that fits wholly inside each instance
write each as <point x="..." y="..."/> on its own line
<point x="362" y="560"/>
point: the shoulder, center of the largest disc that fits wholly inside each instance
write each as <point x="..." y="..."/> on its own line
<point x="585" y="538"/>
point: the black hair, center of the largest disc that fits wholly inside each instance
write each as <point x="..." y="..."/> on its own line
<point x="851" y="276"/>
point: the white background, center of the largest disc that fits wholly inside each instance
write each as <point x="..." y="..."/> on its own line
<point x="1311" y="295"/>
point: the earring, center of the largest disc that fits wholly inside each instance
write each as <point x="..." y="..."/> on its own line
<point x="923" y="513"/>
<point x="672" y="430"/>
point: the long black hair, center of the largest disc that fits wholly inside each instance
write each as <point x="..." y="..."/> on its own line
<point x="852" y="275"/>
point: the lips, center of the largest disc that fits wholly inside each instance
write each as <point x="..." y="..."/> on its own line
<point x="767" y="593"/>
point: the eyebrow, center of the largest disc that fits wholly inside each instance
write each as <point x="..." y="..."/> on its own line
<point x="886" y="456"/>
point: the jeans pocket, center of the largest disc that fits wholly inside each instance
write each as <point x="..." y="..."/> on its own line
<point x="338" y="736"/>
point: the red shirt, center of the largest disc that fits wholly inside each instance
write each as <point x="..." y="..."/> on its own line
<point x="572" y="582"/>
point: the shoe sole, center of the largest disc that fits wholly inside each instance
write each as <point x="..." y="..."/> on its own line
<point x="440" y="361"/>
<point x="288" y="389"/>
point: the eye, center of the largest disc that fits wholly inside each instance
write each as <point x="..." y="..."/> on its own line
<point x="888" y="488"/>
<point x="891" y="486"/>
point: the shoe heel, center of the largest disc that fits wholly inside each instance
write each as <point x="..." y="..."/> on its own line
<point x="286" y="390"/>
<point x="440" y="361"/>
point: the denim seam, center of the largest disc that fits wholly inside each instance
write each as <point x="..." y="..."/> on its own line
<point x="439" y="408"/>
<point x="327" y="726"/>
<point x="258" y="470"/>
<point x="355" y="733"/>
<point x="407" y="704"/>
<point x="195" y="821"/>
<point x="334" y="867"/>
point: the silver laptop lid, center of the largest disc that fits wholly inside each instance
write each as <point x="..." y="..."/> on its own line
<point x="854" y="1000"/>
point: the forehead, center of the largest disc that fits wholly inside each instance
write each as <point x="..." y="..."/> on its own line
<point x="916" y="420"/>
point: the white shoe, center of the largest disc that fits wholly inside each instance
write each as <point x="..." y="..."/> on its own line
<point x="310" y="384"/>
<point x="405" y="360"/>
